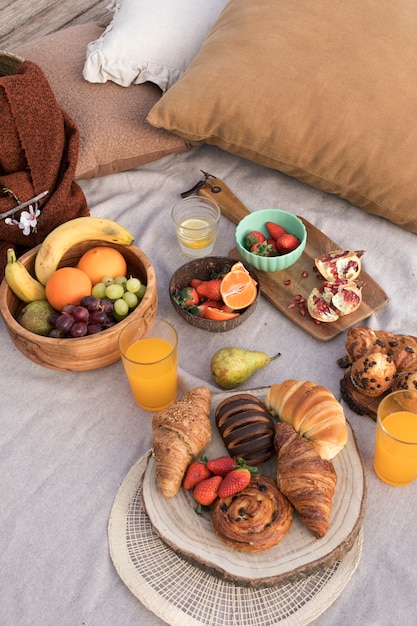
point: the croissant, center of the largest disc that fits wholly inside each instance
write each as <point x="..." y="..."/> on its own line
<point x="313" y="411"/>
<point x="307" y="481"/>
<point x="180" y="433"/>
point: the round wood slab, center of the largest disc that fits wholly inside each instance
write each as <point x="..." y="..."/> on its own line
<point x="298" y="554"/>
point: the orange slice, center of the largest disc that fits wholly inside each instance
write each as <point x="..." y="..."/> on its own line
<point x="238" y="289"/>
<point x="217" y="314"/>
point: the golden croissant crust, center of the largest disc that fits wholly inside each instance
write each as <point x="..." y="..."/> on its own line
<point x="313" y="411"/>
<point x="255" y="519"/>
<point x="308" y="481"/>
<point x="180" y="434"/>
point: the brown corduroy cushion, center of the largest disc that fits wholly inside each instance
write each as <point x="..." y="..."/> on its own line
<point x="114" y="133"/>
<point x="323" y="91"/>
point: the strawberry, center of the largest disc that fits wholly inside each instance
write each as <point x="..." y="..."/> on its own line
<point x="262" y="249"/>
<point x="186" y="297"/>
<point x="205" y="492"/>
<point x="234" y="482"/>
<point x="210" y="289"/>
<point x="275" y="230"/>
<point x="221" y="466"/>
<point x="196" y="472"/>
<point x="287" y="243"/>
<point x="255" y="236"/>
<point x="195" y="281"/>
<point x="272" y="242"/>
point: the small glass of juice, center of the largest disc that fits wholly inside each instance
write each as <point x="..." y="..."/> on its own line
<point x="395" y="460"/>
<point x="196" y="220"/>
<point x="149" y="352"/>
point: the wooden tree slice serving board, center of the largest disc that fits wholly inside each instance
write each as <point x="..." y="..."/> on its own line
<point x="299" y="554"/>
<point x="273" y="284"/>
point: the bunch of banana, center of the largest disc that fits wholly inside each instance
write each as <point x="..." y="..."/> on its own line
<point x="23" y="285"/>
<point x="53" y="248"/>
<point x="72" y="232"/>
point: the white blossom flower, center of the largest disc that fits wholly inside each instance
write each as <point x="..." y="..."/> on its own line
<point x="28" y="219"/>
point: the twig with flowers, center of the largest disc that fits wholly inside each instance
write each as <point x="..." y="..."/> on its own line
<point x="28" y="219"/>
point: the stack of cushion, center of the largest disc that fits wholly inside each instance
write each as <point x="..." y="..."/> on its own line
<point x="324" y="92"/>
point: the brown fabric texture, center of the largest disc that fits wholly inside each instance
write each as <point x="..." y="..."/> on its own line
<point x="323" y="91"/>
<point x="114" y="133"/>
<point x="38" y="152"/>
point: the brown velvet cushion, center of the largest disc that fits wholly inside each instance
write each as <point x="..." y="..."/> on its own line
<point x="323" y="91"/>
<point x="114" y="133"/>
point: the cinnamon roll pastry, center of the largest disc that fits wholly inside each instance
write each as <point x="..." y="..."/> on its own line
<point x="307" y="480"/>
<point x="246" y="427"/>
<point x="255" y="519"/>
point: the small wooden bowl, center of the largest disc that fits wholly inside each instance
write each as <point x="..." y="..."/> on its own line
<point x="204" y="269"/>
<point x="81" y="353"/>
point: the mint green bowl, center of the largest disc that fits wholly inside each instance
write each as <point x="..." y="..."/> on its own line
<point x="257" y="221"/>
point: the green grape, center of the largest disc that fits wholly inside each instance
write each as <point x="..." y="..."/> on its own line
<point x="120" y="308"/>
<point x="121" y="280"/>
<point x="99" y="291"/>
<point x="141" y="292"/>
<point x="107" y="280"/>
<point x="131" y="299"/>
<point x="114" y="292"/>
<point x="133" y="285"/>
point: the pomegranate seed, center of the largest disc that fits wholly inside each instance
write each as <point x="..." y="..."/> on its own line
<point x="304" y="274"/>
<point x="287" y="282"/>
<point x="302" y="309"/>
<point x="292" y="305"/>
<point x="298" y="297"/>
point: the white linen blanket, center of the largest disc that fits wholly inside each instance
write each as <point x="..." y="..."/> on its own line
<point x="67" y="440"/>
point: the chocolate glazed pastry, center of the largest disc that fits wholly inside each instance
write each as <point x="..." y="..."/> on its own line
<point x="246" y="427"/>
<point x="255" y="519"/>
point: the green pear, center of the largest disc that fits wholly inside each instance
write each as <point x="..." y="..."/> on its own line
<point x="35" y="317"/>
<point x="230" y="367"/>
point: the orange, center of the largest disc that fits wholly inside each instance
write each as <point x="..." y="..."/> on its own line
<point x="218" y="314"/>
<point x="238" y="289"/>
<point x="67" y="285"/>
<point x="102" y="261"/>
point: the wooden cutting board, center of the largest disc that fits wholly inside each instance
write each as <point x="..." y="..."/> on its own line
<point x="281" y="287"/>
<point x="299" y="554"/>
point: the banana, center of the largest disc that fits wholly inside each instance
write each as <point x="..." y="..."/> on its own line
<point x="23" y="285"/>
<point x="72" y="232"/>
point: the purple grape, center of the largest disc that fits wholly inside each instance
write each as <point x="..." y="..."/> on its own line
<point x="68" y="308"/>
<point x="80" y="314"/>
<point x="78" y="329"/>
<point x="106" y="305"/>
<point x="64" y="322"/>
<point x="91" y="303"/>
<point x="92" y="329"/>
<point x="53" y="318"/>
<point x="98" y="317"/>
<point x="57" y="334"/>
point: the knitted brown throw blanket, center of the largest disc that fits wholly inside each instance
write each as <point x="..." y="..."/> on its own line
<point x="38" y="152"/>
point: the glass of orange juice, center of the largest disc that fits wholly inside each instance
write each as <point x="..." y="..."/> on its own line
<point x="395" y="460"/>
<point x="196" y="222"/>
<point x="149" y="351"/>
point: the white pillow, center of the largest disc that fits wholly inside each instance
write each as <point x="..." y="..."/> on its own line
<point x="150" y="40"/>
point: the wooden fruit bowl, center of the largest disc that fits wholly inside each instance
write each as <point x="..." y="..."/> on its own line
<point x="82" y="353"/>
